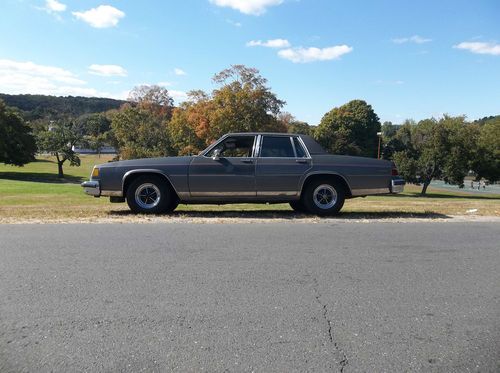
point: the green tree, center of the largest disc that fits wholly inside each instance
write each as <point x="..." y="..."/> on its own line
<point x="17" y="144"/>
<point x="140" y="128"/>
<point x="435" y="149"/>
<point x="59" y="139"/>
<point x="95" y="129"/>
<point x="293" y="125"/>
<point x="487" y="161"/>
<point x="350" y="129"/>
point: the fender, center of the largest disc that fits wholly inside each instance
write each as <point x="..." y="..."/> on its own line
<point x="333" y="173"/>
<point x="147" y="171"/>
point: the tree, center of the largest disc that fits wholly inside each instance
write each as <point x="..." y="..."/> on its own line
<point x="293" y="125"/>
<point x="95" y="129"/>
<point x="350" y="129"/>
<point x="241" y="103"/>
<point x="59" y="139"/>
<point x="486" y="163"/>
<point x="17" y="145"/>
<point x="140" y="128"/>
<point x="435" y="149"/>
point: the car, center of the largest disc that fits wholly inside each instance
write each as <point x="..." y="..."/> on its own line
<point x="246" y="168"/>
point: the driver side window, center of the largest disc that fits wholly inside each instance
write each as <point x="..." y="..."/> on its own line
<point x="234" y="146"/>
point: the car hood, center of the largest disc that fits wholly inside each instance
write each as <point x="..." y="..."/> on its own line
<point x="149" y="162"/>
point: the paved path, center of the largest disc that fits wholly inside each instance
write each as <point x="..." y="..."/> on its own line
<point x="250" y="297"/>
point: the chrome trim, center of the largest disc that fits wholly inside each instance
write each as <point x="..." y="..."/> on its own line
<point x="293" y="146"/>
<point x="111" y="193"/>
<point x="146" y="170"/>
<point x="397" y="185"/>
<point x="365" y="192"/>
<point x="91" y="188"/>
<point x="278" y="193"/>
<point x="223" y="194"/>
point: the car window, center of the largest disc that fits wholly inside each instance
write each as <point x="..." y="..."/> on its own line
<point x="299" y="148"/>
<point x="234" y="146"/>
<point x="277" y="147"/>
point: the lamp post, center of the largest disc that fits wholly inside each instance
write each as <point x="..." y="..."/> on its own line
<point x="379" y="134"/>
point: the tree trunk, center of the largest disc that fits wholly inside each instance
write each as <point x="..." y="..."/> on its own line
<point x="424" y="189"/>
<point x="60" y="169"/>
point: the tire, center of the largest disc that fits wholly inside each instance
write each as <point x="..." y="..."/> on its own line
<point x="323" y="197"/>
<point x="151" y="194"/>
<point x="297" y="206"/>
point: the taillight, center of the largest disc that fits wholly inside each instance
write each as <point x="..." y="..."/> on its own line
<point x="394" y="171"/>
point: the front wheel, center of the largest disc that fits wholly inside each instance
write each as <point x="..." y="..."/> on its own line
<point x="297" y="206"/>
<point x="150" y="195"/>
<point x="324" y="197"/>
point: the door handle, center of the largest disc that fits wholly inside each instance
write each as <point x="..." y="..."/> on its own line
<point x="247" y="160"/>
<point x="301" y="160"/>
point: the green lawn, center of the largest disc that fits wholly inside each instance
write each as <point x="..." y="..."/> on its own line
<point x="35" y="192"/>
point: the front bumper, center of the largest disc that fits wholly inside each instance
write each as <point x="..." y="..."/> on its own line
<point x="397" y="185"/>
<point x="92" y="188"/>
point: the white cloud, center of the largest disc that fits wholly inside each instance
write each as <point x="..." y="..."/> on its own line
<point x="107" y="70"/>
<point x="234" y="23"/>
<point x="101" y="17"/>
<point x="165" y="84"/>
<point x="305" y="55"/>
<point x="272" y="43"/>
<point x="412" y="39"/>
<point x="17" y="77"/>
<point x="52" y="6"/>
<point x="178" y="96"/>
<point x="480" y="47"/>
<point x="253" y="7"/>
<point x="179" y="72"/>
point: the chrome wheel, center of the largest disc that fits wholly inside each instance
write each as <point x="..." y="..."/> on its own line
<point x="325" y="196"/>
<point x="147" y="196"/>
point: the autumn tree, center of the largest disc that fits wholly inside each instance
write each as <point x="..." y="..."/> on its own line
<point x="243" y="103"/>
<point x="350" y="129"/>
<point x="17" y="145"/>
<point x="293" y="125"/>
<point x="59" y="138"/>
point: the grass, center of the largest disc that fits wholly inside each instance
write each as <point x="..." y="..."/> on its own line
<point x="35" y="192"/>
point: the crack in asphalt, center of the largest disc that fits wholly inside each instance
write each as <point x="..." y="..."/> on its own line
<point x="344" y="361"/>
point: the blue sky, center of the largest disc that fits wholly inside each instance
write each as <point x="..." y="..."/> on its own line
<point x="408" y="59"/>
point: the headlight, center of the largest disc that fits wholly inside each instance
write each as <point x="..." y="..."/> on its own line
<point x="95" y="173"/>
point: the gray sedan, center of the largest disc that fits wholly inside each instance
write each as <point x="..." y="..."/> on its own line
<point x="246" y="167"/>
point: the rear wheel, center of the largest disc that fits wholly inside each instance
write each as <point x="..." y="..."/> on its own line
<point x="324" y="197"/>
<point x="150" y="194"/>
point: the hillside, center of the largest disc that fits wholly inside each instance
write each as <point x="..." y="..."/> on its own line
<point x="51" y="107"/>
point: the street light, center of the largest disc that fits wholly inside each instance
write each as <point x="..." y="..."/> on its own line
<point x="379" y="134"/>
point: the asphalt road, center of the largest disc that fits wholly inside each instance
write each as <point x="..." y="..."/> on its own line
<point x="250" y="297"/>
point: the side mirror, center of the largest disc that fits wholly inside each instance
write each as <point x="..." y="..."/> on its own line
<point x="216" y="154"/>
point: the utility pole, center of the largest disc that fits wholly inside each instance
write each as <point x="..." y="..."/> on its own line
<point x="379" y="134"/>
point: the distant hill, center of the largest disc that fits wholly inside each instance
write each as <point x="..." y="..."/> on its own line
<point x="51" y="107"/>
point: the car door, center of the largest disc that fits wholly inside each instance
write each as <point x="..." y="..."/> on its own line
<point x="228" y="174"/>
<point x="281" y="163"/>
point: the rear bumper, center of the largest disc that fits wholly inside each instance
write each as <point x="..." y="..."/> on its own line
<point x="91" y="188"/>
<point x="397" y="185"/>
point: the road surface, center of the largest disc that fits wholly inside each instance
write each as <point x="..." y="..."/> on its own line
<point x="285" y="297"/>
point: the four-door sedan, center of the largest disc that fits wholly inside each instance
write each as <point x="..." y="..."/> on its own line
<point x="246" y="167"/>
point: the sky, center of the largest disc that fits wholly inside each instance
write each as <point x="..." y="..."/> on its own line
<point x="406" y="58"/>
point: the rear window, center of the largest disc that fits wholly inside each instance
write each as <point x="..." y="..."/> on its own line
<point x="298" y="148"/>
<point x="277" y="147"/>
